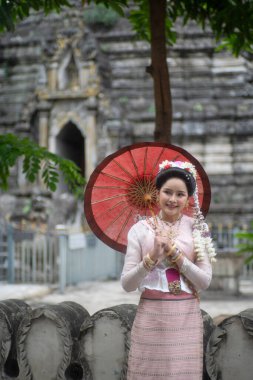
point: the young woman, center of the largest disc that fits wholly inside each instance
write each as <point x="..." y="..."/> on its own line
<point x="168" y="260"/>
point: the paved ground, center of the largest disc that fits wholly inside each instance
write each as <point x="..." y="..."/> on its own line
<point x="95" y="296"/>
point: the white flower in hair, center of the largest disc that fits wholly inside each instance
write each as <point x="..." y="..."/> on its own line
<point x="178" y="164"/>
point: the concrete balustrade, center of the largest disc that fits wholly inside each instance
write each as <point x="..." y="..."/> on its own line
<point x="12" y="312"/>
<point x="230" y="348"/>
<point x="106" y="344"/>
<point x="63" y="342"/>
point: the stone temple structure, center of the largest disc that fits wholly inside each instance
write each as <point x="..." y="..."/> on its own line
<point x="80" y="89"/>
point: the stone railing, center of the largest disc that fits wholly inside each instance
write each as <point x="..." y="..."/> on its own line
<point x="63" y="342"/>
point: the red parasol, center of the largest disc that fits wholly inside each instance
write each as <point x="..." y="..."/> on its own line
<point x="121" y="189"/>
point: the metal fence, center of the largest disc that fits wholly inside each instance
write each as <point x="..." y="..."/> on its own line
<point x="55" y="258"/>
<point x="28" y="256"/>
<point x="64" y="259"/>
<point x="36" y="260"/>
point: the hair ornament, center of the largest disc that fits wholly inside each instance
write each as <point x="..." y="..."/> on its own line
<point x="178" y="164"/>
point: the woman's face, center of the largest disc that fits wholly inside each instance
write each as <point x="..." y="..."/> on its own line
<point x="172" y="198"/>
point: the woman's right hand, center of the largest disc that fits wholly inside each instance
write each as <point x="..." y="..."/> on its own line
<point x="162" y="247"/>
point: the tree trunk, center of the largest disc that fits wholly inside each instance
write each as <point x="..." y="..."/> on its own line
<point x="159" y="71"/>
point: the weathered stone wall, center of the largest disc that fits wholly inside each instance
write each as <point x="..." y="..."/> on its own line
<point x="227" y="272"/>
<point x="64" y="342"/>
<point x="212" y="110"/>
<point x="60" y="70"/>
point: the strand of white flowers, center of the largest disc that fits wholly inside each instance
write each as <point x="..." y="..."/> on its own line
<point x="201" y="236"/>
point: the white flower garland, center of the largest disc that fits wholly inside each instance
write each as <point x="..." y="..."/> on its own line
<point x="201" y="235"/>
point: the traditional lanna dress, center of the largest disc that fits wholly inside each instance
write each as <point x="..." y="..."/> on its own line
<point x="167" y="333"/>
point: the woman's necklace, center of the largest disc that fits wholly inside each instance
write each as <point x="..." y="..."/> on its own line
<point x="164" y="228"/>
<point x="169" y="229"/>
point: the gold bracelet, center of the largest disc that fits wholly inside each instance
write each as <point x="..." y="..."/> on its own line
<point x="148" y="263"/>
<point x="152" y="262"/>
<point x="176" y="253"/>
<point x="177" y="258"/>
<point x="172" y="249"/>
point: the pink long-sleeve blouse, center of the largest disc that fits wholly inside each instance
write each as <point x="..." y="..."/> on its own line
<point x="141" y="241"/>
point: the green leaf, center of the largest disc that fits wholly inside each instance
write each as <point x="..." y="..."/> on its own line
<point x="117" y="8"/>
<point x="13" y="11"/>
<point x="244" y="249"/>
<point x="52" y="186"/>
<point x="6" y="17"/>
<point x="37" y="160"/>
<point x="245" y="235"/>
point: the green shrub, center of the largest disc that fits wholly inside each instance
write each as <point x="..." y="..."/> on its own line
<point x="99" y="15"/>
<point x="246" y="246"/>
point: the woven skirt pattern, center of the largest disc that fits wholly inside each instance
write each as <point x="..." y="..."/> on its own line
<point x="166" y="341"/>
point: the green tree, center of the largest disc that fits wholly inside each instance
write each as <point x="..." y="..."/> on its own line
<point x="231" y="22"/>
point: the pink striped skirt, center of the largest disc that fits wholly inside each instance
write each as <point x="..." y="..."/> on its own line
<point x="166" y="338"/>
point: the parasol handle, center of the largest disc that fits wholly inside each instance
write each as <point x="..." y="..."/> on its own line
<point x="148" y="200"/>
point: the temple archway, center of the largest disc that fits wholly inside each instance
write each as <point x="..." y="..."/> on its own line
<point x="70" y="144"/>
